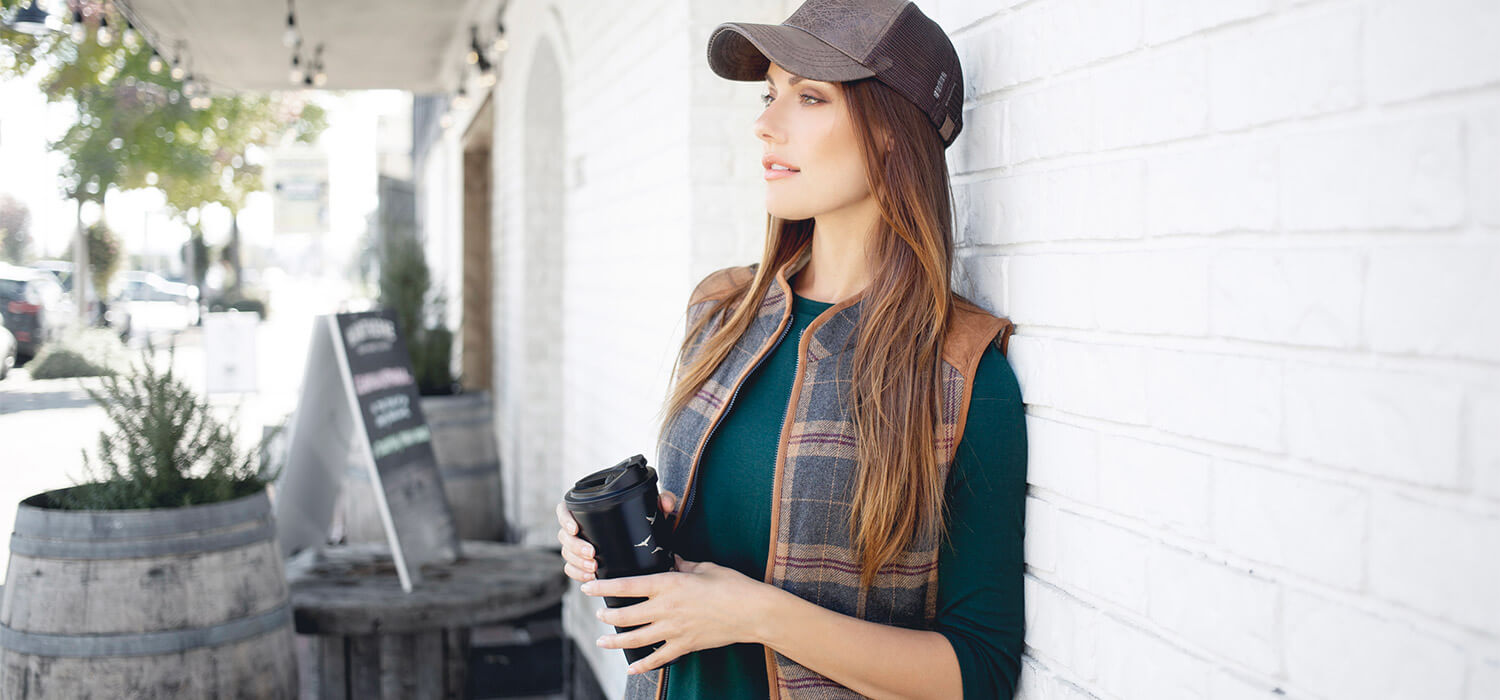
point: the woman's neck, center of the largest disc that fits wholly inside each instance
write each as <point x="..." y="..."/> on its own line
<point x="838" y="268"/>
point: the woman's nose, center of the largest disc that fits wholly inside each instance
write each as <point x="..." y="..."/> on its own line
<point x="765" y="127"/>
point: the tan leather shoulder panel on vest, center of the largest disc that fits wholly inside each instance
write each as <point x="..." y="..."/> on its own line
<point x="970" y="331"/>
<point x="720" y="283"/>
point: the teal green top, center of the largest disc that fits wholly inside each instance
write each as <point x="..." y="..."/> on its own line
<point x="979" y="605"/>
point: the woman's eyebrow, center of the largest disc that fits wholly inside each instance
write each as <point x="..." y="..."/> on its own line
<point x="793" y="81"/>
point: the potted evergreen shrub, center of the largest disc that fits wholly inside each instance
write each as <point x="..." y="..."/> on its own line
<point x="462" y="424"/>
<point x="160" y="576"/>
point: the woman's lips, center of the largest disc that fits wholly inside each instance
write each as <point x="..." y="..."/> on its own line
<point x="774" y="174"/>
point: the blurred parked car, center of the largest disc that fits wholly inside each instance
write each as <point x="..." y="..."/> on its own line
<point x="62" y="271"/>
<point x="154" y="303"/>
<point x="7" y="351"/>
<point x="115" y="315"/>
<point x="30" y="304"/>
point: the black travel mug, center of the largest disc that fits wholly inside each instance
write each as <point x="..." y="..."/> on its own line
<point x="617" y="511"/>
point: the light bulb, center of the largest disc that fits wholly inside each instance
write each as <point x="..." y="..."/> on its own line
<point x="154" y="65"/>
<point x="289" y="38"/>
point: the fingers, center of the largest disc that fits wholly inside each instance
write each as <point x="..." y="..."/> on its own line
<point x="639" y="637"/>
<point x="668" y="501"/>
<point x="566" y="520"/>
<point x="661" y="657"/>
<point x="643" y="586"/>
<point x="578" y="554"/>
<point x="574" y="573"/>
<point x="640" y="613"/>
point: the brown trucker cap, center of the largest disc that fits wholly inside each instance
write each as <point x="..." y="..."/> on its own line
<point x="837" y="40"/>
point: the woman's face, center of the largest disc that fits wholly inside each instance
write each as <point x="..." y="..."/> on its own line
<point x="806" y="125"/>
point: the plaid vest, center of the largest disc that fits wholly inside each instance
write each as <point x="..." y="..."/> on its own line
<point x="816" y="464"/>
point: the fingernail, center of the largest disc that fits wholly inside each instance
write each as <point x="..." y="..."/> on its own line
<point x="599" y="641"/>
<point x="588" y="587"/>
<point x="588" y="551"/>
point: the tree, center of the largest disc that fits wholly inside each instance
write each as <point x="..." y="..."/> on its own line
<point x="195" y="255"/>
<point x="15" y="230"/>
<point x="136" y="128"/>
<point x="104" y="256"/>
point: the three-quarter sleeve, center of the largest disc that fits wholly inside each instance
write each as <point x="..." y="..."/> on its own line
<point x="980" y="605"/>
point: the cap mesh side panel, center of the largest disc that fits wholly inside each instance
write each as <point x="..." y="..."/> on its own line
<point x="920" y="52"/>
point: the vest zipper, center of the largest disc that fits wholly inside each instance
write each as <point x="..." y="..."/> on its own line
<point x="691" y="492"/>
<point x="687" y="501"/>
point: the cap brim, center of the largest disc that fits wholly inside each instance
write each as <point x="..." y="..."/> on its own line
<point x="740" y="51"/>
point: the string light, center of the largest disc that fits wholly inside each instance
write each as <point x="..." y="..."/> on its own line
<point x="290" y="38"/>
<point x="319" y="77"/>
<point x="297" y="72"/>
<point x="500" y="44"/>
<point x="486" y="72"/>
<point x="178" y="72"/>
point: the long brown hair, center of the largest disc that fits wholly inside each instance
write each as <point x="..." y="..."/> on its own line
<point x="904" y="317"/>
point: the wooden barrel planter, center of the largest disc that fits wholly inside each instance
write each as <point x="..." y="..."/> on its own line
<point x="172" y="602"/>
<point x="463" y="439"/>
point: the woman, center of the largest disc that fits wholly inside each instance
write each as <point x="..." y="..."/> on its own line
<point x="832" y="541"/>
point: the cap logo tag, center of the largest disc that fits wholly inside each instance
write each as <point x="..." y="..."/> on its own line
<point x="942" y="78"/>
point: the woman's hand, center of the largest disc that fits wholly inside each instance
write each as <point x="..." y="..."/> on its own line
<point x="578" y="555"/>
<point x="701" y="605"/>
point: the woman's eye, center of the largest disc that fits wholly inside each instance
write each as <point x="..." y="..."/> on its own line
<point x="765" y="99"/>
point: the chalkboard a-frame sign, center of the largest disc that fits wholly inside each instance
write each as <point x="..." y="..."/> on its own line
<point x="359" y="389"/>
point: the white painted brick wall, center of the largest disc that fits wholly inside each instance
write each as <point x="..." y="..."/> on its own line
<point x="1251" y="249"/>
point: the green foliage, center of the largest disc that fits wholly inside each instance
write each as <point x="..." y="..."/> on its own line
<point x="404" y="279"/>
<point x="430" y="362"/>
<point x="88" y="352"/>
<point x="404" y="285"/>
<point x="104" y="256"/>
<point x="167" y="449"/>
<point x="15" y="230"/>
<point x="136" y="129"/>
